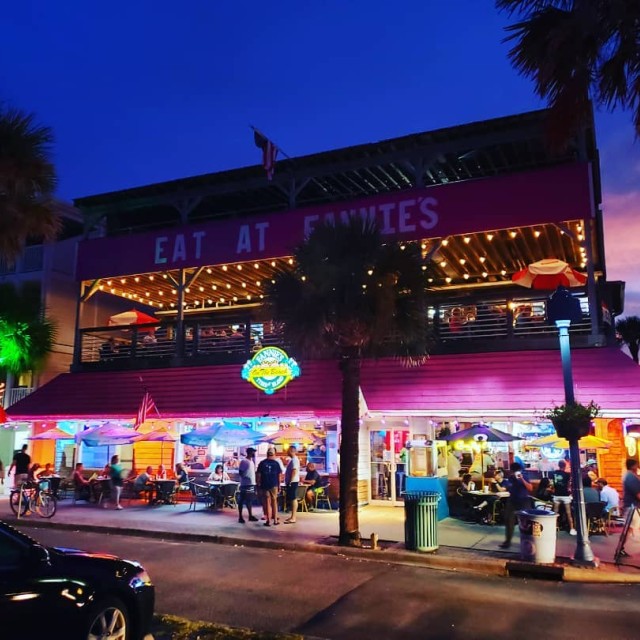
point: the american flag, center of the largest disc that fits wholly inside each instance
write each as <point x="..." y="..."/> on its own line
<point x="269" y="152"/>
<point x="146" y="407"/>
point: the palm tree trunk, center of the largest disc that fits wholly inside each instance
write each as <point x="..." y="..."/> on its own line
<point x="349" y="450"/>
<point x="634" y="347"/>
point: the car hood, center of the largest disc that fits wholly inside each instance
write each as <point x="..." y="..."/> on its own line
<point x="83" y="563"/>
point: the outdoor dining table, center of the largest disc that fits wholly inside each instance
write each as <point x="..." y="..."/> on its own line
<point x="217" y="491"/>
<point x="491" y="497"/>
<point x="163" y="491"/>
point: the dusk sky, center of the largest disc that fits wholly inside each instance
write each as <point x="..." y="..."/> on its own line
<point x="145" y="91"/>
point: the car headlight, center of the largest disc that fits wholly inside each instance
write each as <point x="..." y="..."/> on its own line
<point x="141" y="579"/>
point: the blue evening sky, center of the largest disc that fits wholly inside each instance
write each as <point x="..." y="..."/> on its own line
<point x="143" y="91"/>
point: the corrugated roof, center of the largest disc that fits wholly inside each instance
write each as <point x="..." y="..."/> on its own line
<point x="517" y="383"/>
<point x="520" y="383"/>
<point x="188" y="392"/>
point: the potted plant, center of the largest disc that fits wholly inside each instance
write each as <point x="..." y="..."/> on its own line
<point x="573" y="421"/>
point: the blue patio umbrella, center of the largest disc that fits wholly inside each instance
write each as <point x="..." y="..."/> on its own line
<point x="225" y="433"/>
<point x="480" y="433"/>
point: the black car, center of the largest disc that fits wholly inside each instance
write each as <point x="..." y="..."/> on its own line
<point x="67" y="593"/>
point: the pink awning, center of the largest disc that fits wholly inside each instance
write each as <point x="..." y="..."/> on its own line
<point x="186" y="392"/>
<point x="520" y="382"/>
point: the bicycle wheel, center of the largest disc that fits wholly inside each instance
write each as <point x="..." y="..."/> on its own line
<point x="14" y="502"/>
<point x="45" y="505"/>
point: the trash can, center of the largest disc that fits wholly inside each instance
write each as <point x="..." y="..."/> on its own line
<point x="537" y="535"/>
<point x="421" y="520"/>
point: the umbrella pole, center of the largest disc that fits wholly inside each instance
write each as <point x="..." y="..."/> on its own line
<point x="482" y="465"/>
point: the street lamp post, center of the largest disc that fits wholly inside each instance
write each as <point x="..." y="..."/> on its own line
<point x="562" y="309"/>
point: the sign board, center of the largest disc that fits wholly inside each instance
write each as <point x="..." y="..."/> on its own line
<point x="270" y="369"/>
<point x="549" y="195"/>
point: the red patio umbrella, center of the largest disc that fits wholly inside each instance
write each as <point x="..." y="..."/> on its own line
<point x="548" y="275"/>
<point x="53" y="434"/>
<point x="131" y="317"/>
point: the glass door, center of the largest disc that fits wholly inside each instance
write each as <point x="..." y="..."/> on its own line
<point x="388" y="464"/>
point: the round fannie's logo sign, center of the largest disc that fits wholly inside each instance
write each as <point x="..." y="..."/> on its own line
<point x="270" y="369"/>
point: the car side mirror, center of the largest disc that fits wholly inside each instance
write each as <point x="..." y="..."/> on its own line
<point x="38" y="555"/>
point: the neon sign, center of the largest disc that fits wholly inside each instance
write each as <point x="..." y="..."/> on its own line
<point x="270" y="369"/>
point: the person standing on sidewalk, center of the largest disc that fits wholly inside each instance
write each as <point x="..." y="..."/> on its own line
<point x="268" y="475"/>
<point x="21" y="463"/>
<point x="292" y="479"/>
<point x="117" y="482"/>
<point x="562" y="493"/>
<point x="247" y="472"/>
<point x="518" y="499"/>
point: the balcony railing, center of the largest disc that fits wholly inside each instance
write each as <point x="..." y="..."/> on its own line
<point x="462" y="325"/>
<point x="204" y="340"/>
<point x="18" y="394"/>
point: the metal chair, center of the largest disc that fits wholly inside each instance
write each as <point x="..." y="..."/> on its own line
<point x="229" y="491"/>
<point x="199" y="493"/>
<point x="596" y="517"/>
<point x="322" y="497"/>
<point x="301" y="497"/>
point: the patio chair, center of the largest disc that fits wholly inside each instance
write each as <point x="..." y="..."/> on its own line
<point x="614" y="519"/>
<point x="199" y="493"/>
<point x="322" y="497"/>
<point x="301" y="497"/>
<point x="229" y="491"/>
<point x="596" y="517"/>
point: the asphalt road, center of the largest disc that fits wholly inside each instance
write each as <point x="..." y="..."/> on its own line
<point x="340" y="598"/>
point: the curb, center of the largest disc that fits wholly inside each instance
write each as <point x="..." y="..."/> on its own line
<point x="464" y="561"/>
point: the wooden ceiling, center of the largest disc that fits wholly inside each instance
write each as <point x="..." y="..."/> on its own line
<point x="485" y="259"/>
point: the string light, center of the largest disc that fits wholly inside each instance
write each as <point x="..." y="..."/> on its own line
<point x="239" y="267"/>
<point x="482" y="259"/>
<point x="443" y="263"/>
<point x="447" y="280"/>
<point x="489" y="237"/>
<point x="466" y="276"/>
<point x="224" y="267"/>
<point x="467" y="240"/>
<point x="445" y="242"/>
<point x="513" y="234"/>
<point x="536" y="233"/>
<point x="462" y="261"/>
<point x="256" y="265"/>
<point x="209" y="271"/>
<point x="484" y="274"/>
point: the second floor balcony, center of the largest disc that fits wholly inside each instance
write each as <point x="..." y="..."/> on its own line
<point x="506" y="323"/>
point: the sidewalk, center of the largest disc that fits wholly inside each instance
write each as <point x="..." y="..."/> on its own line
<point x="463" y="546"/>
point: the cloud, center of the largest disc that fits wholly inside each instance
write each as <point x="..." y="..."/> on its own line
<point x="621" y="235"/>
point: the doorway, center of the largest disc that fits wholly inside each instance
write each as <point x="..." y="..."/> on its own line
<point x="388" y="464"/>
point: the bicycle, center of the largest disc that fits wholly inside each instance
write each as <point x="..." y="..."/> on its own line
<point x="31" y="497"/>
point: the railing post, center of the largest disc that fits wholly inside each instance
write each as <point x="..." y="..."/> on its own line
<point x="509" y="318"/>
<point x="134" y="343"/>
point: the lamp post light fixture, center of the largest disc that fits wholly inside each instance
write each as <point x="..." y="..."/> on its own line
<point x="562" y="309"/>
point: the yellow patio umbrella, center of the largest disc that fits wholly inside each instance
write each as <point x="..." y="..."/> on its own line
<point x="587" y="442"/>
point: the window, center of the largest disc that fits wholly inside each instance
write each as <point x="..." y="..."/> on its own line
<point x="11" y="552"/>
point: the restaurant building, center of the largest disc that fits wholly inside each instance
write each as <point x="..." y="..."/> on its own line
<point x="483" y="200"/>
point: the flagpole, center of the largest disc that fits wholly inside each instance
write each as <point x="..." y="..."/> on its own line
<point x="279" y="148"/>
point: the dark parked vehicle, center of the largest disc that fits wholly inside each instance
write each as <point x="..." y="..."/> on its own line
<point x="67" y="593"/>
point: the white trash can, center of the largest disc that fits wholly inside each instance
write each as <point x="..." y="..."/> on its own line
<point x="537" y="535"/>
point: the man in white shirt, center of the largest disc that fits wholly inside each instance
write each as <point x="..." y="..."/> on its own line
<point x="608" y="494"/>
<point x="292" y="478"/>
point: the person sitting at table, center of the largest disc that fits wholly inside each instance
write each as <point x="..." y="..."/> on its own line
<point x="47" y="472"/>
<point x="144" y="483"/>
<point x="467" y="483"/>
<point x="34" y="472"/>
<point x="182" y="479"/>
<point x="161" y="473"/>
<point x="219" y="475"/>
<point x="106" y="472"/>
<point x="498" y="484"/>
<point x="608" y="495"/>
<point x="544" y="492"/>
<point x="82" y="488"/>
<point x="313" y="482"/>
<point x="590" y="494"/>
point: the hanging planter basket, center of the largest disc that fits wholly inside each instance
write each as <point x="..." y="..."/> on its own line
<point x="573" y="421"/>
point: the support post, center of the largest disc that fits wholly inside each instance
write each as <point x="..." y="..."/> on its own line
<point x="180" y="316"/>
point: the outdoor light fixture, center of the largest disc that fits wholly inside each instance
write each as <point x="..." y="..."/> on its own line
<point x="239" y="267"/>
<point x="443" y="263"/>
<point x="445" y="242"/>
<point x="467" y="240"/>
<point x="489" y="237"/>
<point x="536" y="234"/>
<point x="224" y="267"/>
<point x="513" y="234"/>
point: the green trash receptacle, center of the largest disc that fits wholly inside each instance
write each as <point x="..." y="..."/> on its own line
<point x="421" y="520"/>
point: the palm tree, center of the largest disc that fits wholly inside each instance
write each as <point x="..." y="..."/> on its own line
<point x="572" y="49"/>
<point x="628" y="331"/>
<point x="351" y="295"/>
<point x="26" y="337"/>
<point x="27" y="183"/>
